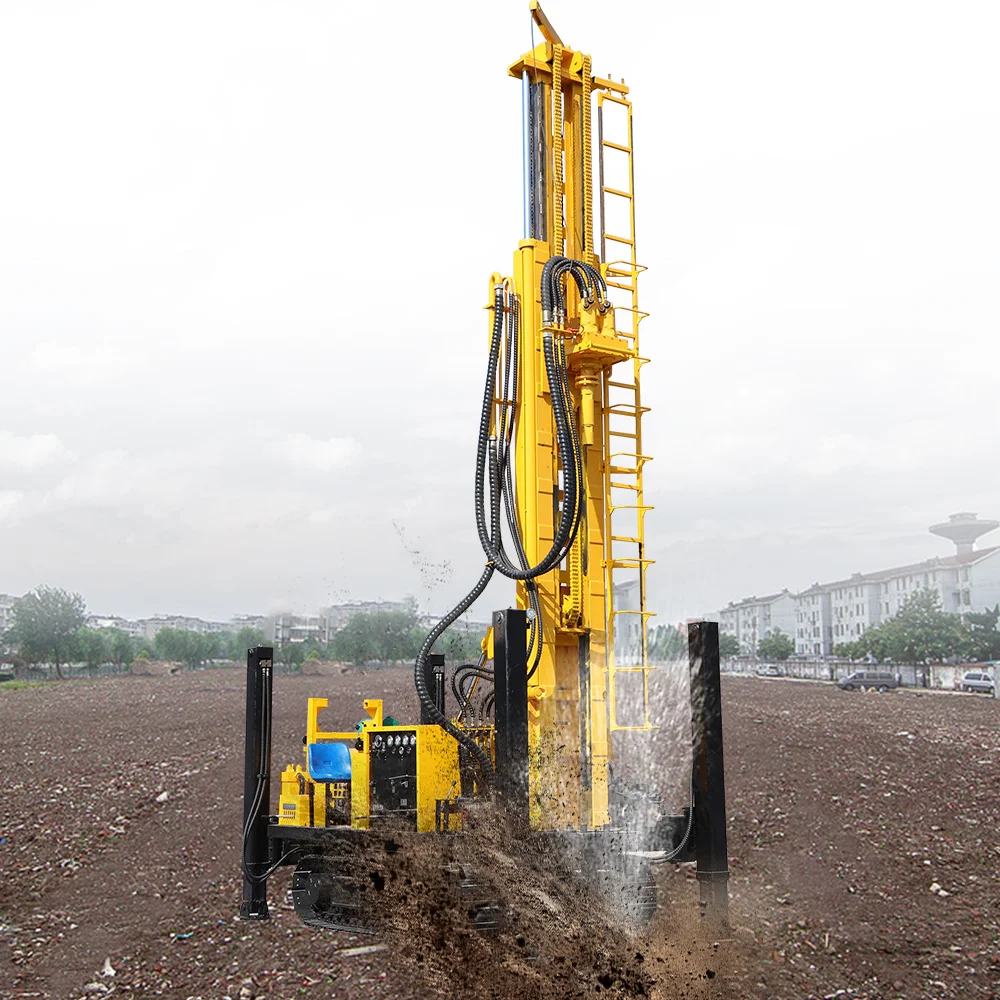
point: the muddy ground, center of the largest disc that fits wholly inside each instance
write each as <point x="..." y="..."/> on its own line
<point x="864" y="844"/>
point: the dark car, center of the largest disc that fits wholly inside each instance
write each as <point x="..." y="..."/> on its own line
<point x="976" y="680"/>
<point x="880" y="680"/>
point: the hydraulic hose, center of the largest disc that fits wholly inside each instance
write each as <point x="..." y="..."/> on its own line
<point x="419" y="679"/>
<point x="493" y="473"/>
<point x="509" y="399"/>
<point x="568" y="517"/>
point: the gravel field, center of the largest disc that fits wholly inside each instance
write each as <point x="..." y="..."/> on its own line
<point x="864" y="849"/>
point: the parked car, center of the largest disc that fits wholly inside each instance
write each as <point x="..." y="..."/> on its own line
<point x="768" y="670"/>
<point x="975" y="680"/>
<point x="878" y="679"/>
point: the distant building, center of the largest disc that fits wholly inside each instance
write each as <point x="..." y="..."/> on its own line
<point x="336" y="616"/>
<point x="827" y="615"/>
<point x="135" y="629"/>
<point x="831" y="614"/>
<point x="627" y="623"/>
<point x="813" y="633"/>
<point x="290" y="627"/>
<point x="751" y="619"/>
<point x="247" y="621"/>
<point x="150" y="626"/>
<point x="7" y="602"/>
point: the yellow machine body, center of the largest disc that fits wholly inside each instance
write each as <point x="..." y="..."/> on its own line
<point x="573" y="694"/>
<point x="430" y="764"/>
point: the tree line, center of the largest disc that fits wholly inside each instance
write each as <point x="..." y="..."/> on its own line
<point x="48" y="626"/>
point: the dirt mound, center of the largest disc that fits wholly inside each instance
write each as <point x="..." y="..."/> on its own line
<point x="325" y="668"/>
<point x="155" y="668"/>
<point x="486" y="915"/>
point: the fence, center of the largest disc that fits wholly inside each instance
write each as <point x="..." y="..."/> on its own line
<point x="942" y="676"/>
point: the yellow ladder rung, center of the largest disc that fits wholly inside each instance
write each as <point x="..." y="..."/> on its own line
<point x="624" y="486"/>
<point x="618" y="284"/>
<point x="625" y="385"/>
<point x="631" y="563"/>
<point x="621" y="194"/>
<point x="626" y="410"/>
<point x="622" y="434"/>
<point x="623" y="101"/>
<point x="619" y="239"/>
<point x="632" y="266"/>
<point x="626" y="538"/>
<point x="616" y="145"/>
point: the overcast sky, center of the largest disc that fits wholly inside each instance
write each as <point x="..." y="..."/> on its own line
<point x="244" y="250"/>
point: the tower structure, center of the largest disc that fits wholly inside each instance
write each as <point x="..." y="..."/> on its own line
<point x="963" y="529"/>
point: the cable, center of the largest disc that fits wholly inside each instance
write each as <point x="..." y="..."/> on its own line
<point x="687" y="833"/>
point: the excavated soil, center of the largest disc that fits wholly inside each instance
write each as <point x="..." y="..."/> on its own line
<point x="863" y="842"/>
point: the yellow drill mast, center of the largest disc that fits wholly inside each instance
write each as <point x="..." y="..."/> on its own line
<point x="573" y="691"/>
<point x="560" y="509"/>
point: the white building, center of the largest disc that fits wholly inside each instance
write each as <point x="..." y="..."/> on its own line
<point x="627" y="623"/>
<point x="150" y="626"/>
<point x="247" y="621"/>
<point x="813" y="621"/>
<point x="751" y="619"/>
<point x="134" y="629"/>
<point x="831" y="614"/>
<point x="336" y="616"/>
<point x="7" y="602"/>
<point x="290" y="627"/>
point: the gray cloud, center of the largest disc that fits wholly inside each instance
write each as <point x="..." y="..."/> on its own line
<point x="242" y="326"/>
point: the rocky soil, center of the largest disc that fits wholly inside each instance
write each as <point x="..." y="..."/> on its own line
<point x="864" y="848"/>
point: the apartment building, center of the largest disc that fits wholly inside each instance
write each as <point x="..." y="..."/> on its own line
<point x="830" y="614"/>
<point x="751" y="619"/>
<point x="336" y="616"/>
<point x="7" y="602"/>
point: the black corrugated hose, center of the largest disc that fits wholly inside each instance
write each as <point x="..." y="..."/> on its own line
<point x="493" y="467"/>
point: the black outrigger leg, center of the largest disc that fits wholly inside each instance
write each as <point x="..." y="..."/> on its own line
<point x="255" y="857"/>
<point x="712" y="859"/>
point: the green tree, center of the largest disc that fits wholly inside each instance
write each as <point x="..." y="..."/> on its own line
<point x="729" y="645"/>
<point x="185" y="646"/>
<point x="290" y="654"/>
<point x="667" y="643"/>
<point x="460" y="644"/>
<point x="93" y="647"/>
<point x="921" y="632"/>
<point x="382" y="636"/>
<point x="121" y="647"/>
<point x="775" y="646"/>
<point x="983" y="636"/>
<point x="246" y="638"/>
<point x="45" y="623"/>
<point x="852" y="650"/>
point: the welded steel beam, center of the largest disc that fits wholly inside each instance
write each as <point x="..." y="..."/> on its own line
<point x="711" y="854"/>
<point x="257" y="784"/>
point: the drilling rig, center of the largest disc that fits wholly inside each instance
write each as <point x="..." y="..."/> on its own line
<point x="560" y="510"/>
